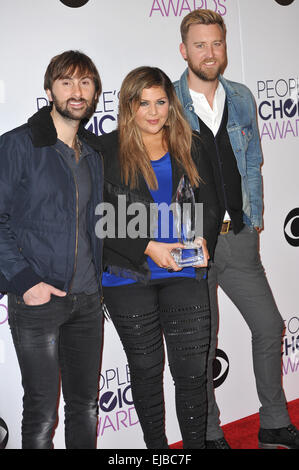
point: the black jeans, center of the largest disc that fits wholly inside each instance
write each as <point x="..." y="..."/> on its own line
<point x="179" y="309"/>
<point x="58" y="340"/>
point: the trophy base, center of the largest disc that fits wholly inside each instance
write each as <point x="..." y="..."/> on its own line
<point x="191" y="256"/>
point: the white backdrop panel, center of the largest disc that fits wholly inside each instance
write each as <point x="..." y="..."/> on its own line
<point x="269" y="36"/>
<point x="119" y="36"/>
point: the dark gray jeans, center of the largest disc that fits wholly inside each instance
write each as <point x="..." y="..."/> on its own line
<point x="237" y="269"/>
<point x="60" y="339"/>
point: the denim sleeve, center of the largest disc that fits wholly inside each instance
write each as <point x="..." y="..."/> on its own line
<point x="254" y="160"/>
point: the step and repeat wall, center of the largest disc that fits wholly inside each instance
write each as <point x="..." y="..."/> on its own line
<point x="120" y="35"/>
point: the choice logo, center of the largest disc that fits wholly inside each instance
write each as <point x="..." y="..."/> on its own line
<point x="74" y="3"/>
<point x="284" y="3"/>
<point x="291" y="346"/>
<point x="279" y="107"/>
<point x="117" y="411"/>
<point x="220" y="368"/>
<point x="104" y="120"/>
<point x="4" y="434"/>
<point x="291" y="227"/>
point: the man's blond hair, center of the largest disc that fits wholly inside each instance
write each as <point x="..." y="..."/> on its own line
<point x="205" y="17"/>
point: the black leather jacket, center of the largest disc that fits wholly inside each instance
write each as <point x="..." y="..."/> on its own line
<point x="125" y="256"/>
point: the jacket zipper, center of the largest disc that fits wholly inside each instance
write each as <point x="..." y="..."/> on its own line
<point x="77" y="221"/>
<point x="77" y="231"/>
<point x="102" y="301"/>
<point x="102" y="198"/>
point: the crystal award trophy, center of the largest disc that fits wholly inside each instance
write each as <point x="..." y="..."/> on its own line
<point x="185" y="222"/>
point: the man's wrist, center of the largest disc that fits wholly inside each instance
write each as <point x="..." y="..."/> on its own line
<point x="24" y="280"/>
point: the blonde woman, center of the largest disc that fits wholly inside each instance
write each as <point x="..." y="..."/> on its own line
<point x="148" y="296"/>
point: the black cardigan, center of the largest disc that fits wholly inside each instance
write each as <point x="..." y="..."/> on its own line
<point x="125" y="256"/>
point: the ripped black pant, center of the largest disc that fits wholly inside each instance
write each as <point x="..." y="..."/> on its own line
<point x="177" y="308"/>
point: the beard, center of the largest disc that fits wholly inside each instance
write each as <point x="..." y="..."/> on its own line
<point x="64" y="111"/>
<point x="205" y="75"/>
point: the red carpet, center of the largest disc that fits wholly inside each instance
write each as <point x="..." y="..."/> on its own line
<point x="242" y="434"/>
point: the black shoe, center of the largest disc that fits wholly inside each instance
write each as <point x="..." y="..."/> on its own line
<point x="217" y="444"/>
<point x="283" y="437"/>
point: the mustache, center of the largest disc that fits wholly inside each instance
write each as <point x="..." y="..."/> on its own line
<point x="77" y="100"/>
<point x="210" y="59"/>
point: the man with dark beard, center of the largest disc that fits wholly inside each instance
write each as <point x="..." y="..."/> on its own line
<point x="50" y="259"/>
<point x="224" y="113"/>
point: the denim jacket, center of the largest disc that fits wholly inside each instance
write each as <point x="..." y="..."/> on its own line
<point x="244" y="137"/>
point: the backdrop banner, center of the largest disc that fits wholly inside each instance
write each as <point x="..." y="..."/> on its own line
<point x="119" y="36"/>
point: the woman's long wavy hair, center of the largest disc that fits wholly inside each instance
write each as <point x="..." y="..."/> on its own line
<point x="177" y="133"/>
